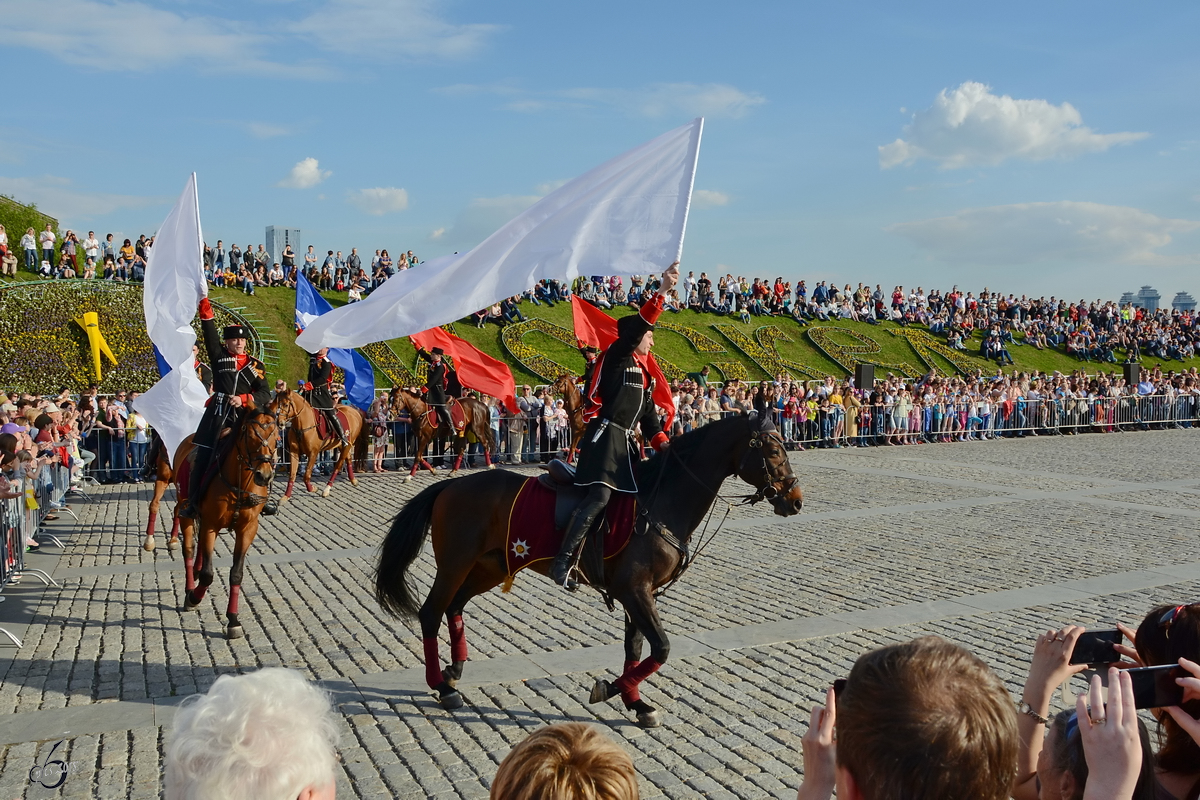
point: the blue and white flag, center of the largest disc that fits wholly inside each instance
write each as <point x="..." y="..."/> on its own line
<point x="360" y="378"/>
<point x="173" y="287"/>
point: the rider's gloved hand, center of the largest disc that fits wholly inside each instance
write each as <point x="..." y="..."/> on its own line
<point x="308" y="387"/>
<point x="206" y="309"/>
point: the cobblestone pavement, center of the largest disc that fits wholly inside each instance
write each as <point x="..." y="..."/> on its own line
<point x="983" y="543"/>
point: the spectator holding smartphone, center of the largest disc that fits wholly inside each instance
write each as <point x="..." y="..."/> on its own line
<point x="921" y="719"/>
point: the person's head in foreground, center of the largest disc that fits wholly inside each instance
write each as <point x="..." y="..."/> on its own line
<point x="570" y="761"/>
<point x="1062" y="765"/>
<point x="266" y="735"/>
<point x="925" y="719"/>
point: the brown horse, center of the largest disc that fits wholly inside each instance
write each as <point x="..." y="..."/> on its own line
<point x="469" y="519"/>
<point x="299" y="419"/>
<point x="233" y="500"/>
<point x="565" y="387"/>
<point x="163" y="475"/>
<point x="478" y="419"/>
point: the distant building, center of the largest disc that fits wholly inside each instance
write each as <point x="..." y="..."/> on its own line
<point x="1147" y="298"/>
<point x="1127" y="299"/>
<point x="279" y="237"/>
<point x="1183" y="302"/>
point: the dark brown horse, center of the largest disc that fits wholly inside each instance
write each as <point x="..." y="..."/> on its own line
<point x="233" y="500"/>
<point x="478" y="423"/>
<point x="565" y="387"/>
<point x="469" y="522"/>
<point x="299" y="418"/>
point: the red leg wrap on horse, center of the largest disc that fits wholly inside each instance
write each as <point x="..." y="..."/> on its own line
<point x="632" y="695"/>
<point x="234" y="593"/>
<point x="288" y="492"/>
<point x="458" y="639"/>
<point x="433" y="663"/>
<point x="150" y="524"/>
<point x="175" y="528"/>
<point x="189" y="575"/>
<point x="350" y="470"/>
<point x="199" y="592"/>
<point x="458" y="462"/>
<point x="632" y="677"/>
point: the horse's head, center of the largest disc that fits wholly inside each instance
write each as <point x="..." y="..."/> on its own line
<point x="284" y="407"/>
<point x="259" y="445"/>
<point x="563" y="384"/>
<point x="764" y="465"/>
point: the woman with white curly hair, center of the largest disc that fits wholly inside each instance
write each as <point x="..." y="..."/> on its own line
<point x="266" y="735"/>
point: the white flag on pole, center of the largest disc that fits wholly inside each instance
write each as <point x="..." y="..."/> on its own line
<point x="625" y="217"/>
<point x="172" y="290"/>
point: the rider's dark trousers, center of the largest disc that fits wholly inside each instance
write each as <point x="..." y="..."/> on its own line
<point x="204" y="442"/>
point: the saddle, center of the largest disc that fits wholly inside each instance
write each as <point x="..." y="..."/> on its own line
<point x="457" y="415"/>
<point x="324" y="430"/>
<point x="560" y="479"/>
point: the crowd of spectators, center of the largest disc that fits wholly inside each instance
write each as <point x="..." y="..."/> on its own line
<point x="925" y="718"/>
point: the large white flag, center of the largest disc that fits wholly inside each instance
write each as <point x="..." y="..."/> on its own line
<point x="625" y="217"/>
<point x="172" y="290"/>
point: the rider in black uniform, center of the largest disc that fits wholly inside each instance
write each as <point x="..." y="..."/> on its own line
<point x="437" y="381"/>
<point x="618" y="400"/>
<point x="238" y="382"/>
<point x="320" y="391"/>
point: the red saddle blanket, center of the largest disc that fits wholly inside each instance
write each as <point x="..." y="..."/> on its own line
<point x="457" y="415"/>
<point x="531" y="533"/>
<point x="323" y="423"/>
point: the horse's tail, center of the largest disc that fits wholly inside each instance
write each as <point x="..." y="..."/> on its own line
<point x="400" y="548"/>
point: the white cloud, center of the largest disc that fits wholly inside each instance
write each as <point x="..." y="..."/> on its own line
<point x="54" y="196"/>
<point x="391" y="29"/>
<point x="133" y="36"/>
<point x="970" y="126"/>
<point x="306" y="174"/>
<point x="482" y="217"/>
<point x="379" y="200"/>
<point x="1031" y="233"/>
<point x="654" y="101"/>
<point x="436" y="234"/>
<point x="267" y="130"/>
<point x="127" y="35"/>
<point x="707" y="198"/>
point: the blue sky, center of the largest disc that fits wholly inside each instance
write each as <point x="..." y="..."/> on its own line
<point x="1034" y="148"/>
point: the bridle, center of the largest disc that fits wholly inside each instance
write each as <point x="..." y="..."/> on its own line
<point x="250" y="461"/>
<point x="294" y="416"/>
<point x="777" y="483"/>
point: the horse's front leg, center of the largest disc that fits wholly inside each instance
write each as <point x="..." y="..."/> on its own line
<point x="460" y="447"/>
<point x="203" y="567"/>
<point x="308" y="470"/>
<point x="243" y="539"/>
<point x="293" y="467"/>
<point x="642" y="614"/>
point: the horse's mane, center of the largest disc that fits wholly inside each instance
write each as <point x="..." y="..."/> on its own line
<point x="686" y="445"/>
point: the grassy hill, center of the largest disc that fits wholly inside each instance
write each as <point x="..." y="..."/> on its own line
<point x="685" y="342"/>
<point x="792" y="342"/>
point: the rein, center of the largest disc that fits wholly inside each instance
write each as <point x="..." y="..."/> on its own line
<point x="243" y="497"/>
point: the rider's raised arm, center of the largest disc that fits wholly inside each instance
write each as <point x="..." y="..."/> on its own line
<point x="208" y="326"/>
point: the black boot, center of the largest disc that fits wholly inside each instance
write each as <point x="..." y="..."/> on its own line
<point x="577" y="528"/>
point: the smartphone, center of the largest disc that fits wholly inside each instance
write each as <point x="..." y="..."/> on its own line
<point x="1096" y="647"/>
<point x="1155" y="687"/>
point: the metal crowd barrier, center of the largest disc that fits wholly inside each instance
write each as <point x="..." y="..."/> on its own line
<point x="19" y="523"/>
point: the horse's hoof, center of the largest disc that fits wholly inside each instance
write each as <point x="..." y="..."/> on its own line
<point x="453" y="472"/>
<point x="236" y="632"/>
<point x="603" y="690"/>
<point x="284" y="499"/>
<point x="308" y="487"/>
<point x="172" y="543"/>
<point x="407" y="478"/>
<point x="450" y="680"/>
<point x="649" y="719"/>
<point x="188" y="605"/>
<point x="451" y="700"/>
<point x="325" y="492"/>
<point x="491" y="466"/>
<point x="149" y="545"/>
<point x="354" y="482"/>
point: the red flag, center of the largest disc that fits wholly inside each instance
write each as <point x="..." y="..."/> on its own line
<point x="594" y="328"/>
<point x="476" y="369"/>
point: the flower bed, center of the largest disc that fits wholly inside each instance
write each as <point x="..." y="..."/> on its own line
<point x="847" y="355"/>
